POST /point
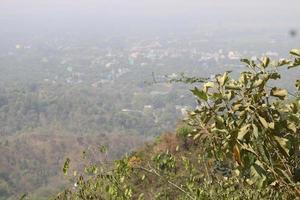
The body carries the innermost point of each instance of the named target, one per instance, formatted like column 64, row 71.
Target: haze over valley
column 77, row 75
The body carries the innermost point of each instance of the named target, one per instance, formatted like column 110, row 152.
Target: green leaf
column 255, row 130
column 286, row 175
column 258, row 83
column 216, row 130
column 243, row 79
column 200, row 94
column 243, row 131
column 283, row 144
column 295, row 52
column 216, row 96
column 292, row 126
column 263, row 122
column 208, row 85
column 275, row 76
column 141, row 196
column 219, row 119
column 296, row 63
column 257, row 174
column 278, row 92
column 246, row 61
column 271, row 125
column 283, row 62
column 249, row 149
column 265, row 62
column 232, row 86
column 237, row 107
column 196, row 136
column 230, row 95
column 222, row 79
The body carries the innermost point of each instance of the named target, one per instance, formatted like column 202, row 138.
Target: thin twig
column 154, row 172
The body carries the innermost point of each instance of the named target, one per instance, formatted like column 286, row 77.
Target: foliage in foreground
column 242, row 142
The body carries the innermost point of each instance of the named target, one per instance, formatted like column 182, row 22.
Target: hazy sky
column 145, row 7
column 157, row 13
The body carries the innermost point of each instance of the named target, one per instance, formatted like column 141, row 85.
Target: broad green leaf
column 295, row 52
column 286, row 175
column 208, row 85
column 222, row 79
column 219, row 119
column 232, row 86
column 292, row 126
column 196, row 136
column 247, row 61
column 200, row 94
column 283, row 62
column 243, row 131
column 216, row 96
column 271, row 125
column 275, row 76
column 219, row 130
column 255, row 130
column 192, row 113
column 283, row 144
column 296, row 63
column 230, row 95
column 242, row 113
column 237, row 107
column 243, row 79
column 263, row 122
column 265, row 62
column 248, row 148
column 258, row 83
column 278, row 92
column 257, row 174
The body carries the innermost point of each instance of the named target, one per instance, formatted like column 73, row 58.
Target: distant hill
column 32, row 162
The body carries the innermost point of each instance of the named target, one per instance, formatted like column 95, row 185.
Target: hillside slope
column 241, row 142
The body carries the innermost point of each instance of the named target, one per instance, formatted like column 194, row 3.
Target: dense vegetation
column 80, row 110
column 242, row 142
column 42, row 124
